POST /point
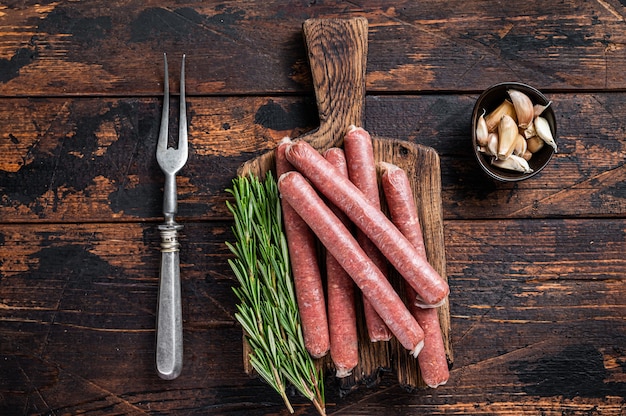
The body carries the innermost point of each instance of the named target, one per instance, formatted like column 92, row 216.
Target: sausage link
column 430, row 287
column 344, row 341
column 344, row 247
column 359, row 152
column 402, row 209
column 399, row 196
column 307, row 277
column 432, row 359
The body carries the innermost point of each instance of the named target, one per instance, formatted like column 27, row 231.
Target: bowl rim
column 541, row 99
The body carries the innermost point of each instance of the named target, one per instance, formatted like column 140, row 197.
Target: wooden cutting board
column 337, row 52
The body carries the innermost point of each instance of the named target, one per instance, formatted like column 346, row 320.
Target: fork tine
column 182, row 124
column 163, row 132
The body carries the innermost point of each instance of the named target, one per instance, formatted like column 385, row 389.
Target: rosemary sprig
column 268, row 310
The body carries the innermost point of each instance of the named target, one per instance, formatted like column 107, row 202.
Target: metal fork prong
column 163, row 132
column 182, row 124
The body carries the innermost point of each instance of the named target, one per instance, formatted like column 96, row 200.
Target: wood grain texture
column 535, row 325
column 536, row 268
column 337, row 52
column 76, row 48
column 94, row 158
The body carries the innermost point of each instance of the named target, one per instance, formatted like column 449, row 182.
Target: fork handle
column 170, row 203
column 169, row 339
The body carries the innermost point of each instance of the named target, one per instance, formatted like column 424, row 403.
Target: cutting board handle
column 337, row 51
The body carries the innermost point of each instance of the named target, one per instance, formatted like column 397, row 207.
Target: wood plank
column 94, row 159
column 72, row 48
column 536, row 268
column 586, row 177
column 537, row 318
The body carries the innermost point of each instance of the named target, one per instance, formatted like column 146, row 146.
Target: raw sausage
column 344, row 341
column 430, row 287
column 359, row 152
column 344, row 247
column 399, row 196
column 432, row 359
column 305, row 269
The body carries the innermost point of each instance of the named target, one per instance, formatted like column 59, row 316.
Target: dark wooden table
column 537, row 268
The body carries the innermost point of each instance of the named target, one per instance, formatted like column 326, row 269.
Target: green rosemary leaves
column 268, row 310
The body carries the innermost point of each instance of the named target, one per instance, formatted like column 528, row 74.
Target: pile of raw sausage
column 323, row 196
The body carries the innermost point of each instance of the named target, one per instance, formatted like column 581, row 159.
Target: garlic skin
column 543, row 131
column 507, row 135
column 482, row 133
column 538, row 109
column 524, row 108
column 493, row 119
column 514, row 163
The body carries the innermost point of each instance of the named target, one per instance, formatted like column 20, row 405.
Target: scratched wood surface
column 536, row 269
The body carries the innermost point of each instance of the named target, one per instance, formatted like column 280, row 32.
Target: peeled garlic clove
column 514, row 163
column 538, row 109
column 507, row 135
column 493, row 119
column 520, row 145
column 482, row 133
column 523, row 108
column 535, row 144
column 543, row 131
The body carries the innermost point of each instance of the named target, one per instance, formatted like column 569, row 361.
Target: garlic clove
column 482, row 133
column 523, row 163
column 492, row 144
column 514, row 163
column 527, row 155
column 535, row 144
column 543, row 131
column 530, row 130
column 523, row 108
column 493, row 119
column 538, row 109
column 491, row 149
column 520, row 145
column 507, row 135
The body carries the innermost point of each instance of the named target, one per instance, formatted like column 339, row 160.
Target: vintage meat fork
column 169, row 338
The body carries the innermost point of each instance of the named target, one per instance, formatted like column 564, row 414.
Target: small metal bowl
column 488, row 101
